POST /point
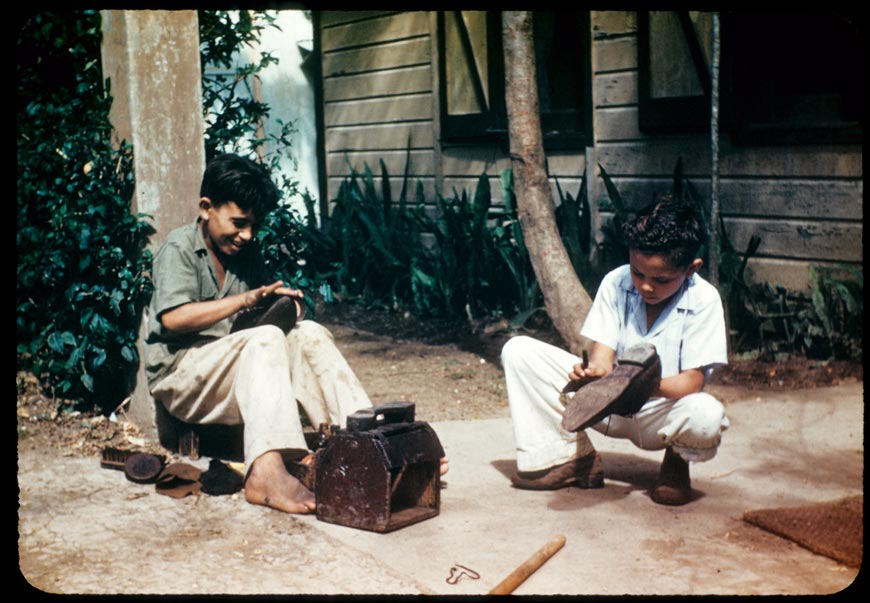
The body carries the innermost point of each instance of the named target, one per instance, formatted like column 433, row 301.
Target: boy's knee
column 265, row 334
column 513, row 349
column 707, row 413
column 308, row 332
column 700, row 423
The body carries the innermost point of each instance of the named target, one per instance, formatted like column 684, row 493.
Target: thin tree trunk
column 566, row 300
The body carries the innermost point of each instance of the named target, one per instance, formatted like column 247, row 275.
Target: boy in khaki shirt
column 204, row 274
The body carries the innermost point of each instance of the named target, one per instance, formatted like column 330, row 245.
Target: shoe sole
column 621, row 392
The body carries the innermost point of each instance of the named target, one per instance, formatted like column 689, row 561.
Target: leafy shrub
column 825, row 324
column 233, row 116
column 82, row 268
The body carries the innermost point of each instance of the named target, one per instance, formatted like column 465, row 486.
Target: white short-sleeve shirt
column 689, row 332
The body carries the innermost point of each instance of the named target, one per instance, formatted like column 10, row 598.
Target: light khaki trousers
column 256, row 377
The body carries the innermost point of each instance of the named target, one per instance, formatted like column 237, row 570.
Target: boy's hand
column 584, row 372
column 255, row 296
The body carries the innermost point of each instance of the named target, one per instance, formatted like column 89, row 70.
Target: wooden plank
column 617, row 124
column 469, row 184
column 566, row 165
column 395, row 26
column 379, row 110
column 823, row 161
column 386, row 56
column 421, row 162
column 615, row 89
column 801, row 199
column 473, row 160
column 798, row 239
column 380, row 137
column 658, row 156
column 618, row 54
column 607, row 23
column 791, row 274
column 831, row 199
column 401, row 81
column 330, row 18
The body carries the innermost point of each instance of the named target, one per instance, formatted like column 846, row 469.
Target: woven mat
column 834, row 529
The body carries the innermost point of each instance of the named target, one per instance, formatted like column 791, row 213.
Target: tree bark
column 566, row 300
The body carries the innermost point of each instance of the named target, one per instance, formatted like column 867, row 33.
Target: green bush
column 461, row 257
column 82, row 271
column 233, row 116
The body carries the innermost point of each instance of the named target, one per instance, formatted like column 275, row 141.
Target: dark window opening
column 785, row 78
column 791, row 78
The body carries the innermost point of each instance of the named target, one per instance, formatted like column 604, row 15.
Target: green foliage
column 613, row 251
column 461, row 257
column 574, row 220
column 508, row 236
column 234, row 122
column 456, row 278
column 232, row 111
column 82, row 270
column 825, row 324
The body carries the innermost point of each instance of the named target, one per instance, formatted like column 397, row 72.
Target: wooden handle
column 519, row 575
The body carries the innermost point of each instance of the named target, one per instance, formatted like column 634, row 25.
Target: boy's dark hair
column 230, row 177
column 667, row 227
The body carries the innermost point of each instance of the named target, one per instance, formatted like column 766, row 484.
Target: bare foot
column 269, row 484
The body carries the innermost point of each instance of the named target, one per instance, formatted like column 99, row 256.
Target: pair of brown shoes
column 672, row 487
column 585, row 472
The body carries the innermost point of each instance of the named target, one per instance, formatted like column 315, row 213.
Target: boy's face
column 226, row 228
column 655, row 278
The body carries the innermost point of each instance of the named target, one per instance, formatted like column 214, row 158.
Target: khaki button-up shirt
column 183, row 272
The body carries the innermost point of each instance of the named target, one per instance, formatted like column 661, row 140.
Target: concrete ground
column 83, row 529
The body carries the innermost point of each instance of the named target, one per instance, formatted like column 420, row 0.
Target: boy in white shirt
column 658, row 299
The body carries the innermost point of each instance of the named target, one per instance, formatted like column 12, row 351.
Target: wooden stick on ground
column 519, row 575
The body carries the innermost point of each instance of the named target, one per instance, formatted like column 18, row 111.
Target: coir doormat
column 834, row 529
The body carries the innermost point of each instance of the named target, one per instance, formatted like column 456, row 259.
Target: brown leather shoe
column 673, row 486
column 585, row 472
column 622, row 391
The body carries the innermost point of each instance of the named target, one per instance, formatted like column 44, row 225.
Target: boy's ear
column 694, row 266
column 204, row 206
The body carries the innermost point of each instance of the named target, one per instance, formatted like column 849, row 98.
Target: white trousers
column 536, row 372
column 256, row 376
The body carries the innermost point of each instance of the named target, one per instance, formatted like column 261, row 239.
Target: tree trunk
column 566, row 300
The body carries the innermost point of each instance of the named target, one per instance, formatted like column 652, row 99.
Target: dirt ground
column 449, row 369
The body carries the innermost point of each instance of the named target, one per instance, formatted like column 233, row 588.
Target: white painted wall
column 290, row 93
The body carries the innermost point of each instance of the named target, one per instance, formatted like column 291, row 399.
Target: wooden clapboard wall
column 804, row 202
column 377, row 95
column 380, row 90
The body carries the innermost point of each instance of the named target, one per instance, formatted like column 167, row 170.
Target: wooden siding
column 377, row 93
column 380, row 92
column 805, row 203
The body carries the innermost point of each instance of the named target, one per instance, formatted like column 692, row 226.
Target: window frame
column 491, row 126
column 747, row 130
column 679, row 114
